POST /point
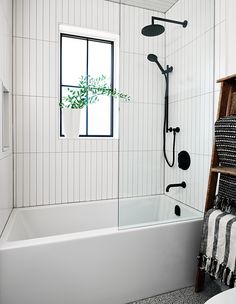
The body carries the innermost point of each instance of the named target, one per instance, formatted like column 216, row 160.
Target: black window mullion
column 61, row 134
column 87, row 69
column 69, row 86
column 112, row 86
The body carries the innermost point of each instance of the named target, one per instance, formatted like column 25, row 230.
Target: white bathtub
column 76, row 254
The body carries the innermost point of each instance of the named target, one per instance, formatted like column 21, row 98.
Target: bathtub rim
column 6, row 244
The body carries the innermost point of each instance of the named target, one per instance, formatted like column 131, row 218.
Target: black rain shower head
column 153, row 30
column 157, row 29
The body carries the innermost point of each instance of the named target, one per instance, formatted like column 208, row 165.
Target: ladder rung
column 225, row 170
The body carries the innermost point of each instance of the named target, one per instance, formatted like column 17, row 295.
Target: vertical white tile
column 93, row 177
column 109, row 175
column 53, row 131
column 52, row 176
column 53, row 81
column 19, row 179
column 53, row 20
column 26, row 124
column 58, row 178
column 18, row 8
column 32, row 67
column 46, row 124
column 76, row 183
column 32, row 19
column 39, row 123
column 46, row 178
column 105, row 175
column 46, row 20
column 39, row 66
column 64, row 178
column 39, row 177
column 71, row 176
column 40, row 21
column 46, row 68
column 82, row 176
column 18, row 69
column 65, row 11
column 99, row 170
column 33, row 179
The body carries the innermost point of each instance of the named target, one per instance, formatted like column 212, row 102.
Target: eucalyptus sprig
column 88, row 92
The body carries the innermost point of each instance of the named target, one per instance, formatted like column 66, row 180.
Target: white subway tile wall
column 6, row 158
column 198, row 56
column 49, row 170
column 191, row 51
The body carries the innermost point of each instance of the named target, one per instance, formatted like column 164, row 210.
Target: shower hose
column 170, row 164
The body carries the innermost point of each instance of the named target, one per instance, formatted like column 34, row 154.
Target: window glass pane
column 99, row 58
column 83, row 114
column 100, row 117
column 99, row 114
column 74, row 60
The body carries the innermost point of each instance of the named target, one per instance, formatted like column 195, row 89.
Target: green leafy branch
column 88, row 92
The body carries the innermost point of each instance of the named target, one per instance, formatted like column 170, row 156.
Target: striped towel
column 225, row 137
column 226, row 197
column 218, row 246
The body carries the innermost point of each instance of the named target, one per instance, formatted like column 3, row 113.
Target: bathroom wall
column 50, row 170
column 200, row 54
column 141, row 162
column 191, row 51
column 225, row 42
column 6, row 168
column 227, row 27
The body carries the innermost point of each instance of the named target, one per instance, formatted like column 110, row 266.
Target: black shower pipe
column 184, row 23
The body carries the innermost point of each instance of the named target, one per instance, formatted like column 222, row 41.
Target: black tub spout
column 183, row 185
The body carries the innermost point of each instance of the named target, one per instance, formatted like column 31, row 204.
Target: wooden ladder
column 226, row 107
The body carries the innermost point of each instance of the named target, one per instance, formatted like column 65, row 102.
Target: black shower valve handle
column 175, row 130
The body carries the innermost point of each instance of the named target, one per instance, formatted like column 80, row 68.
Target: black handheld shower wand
column 169, row 69
column 166, row 129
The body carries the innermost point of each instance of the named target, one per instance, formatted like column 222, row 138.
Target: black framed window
column 94, row 57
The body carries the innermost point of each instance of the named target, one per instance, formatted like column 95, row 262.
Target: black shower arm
column 184, row 23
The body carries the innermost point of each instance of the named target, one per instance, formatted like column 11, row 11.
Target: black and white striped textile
column 225, row 138
column 218, row 246
column 226, row 197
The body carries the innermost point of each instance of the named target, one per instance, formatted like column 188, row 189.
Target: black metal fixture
column 151, row 31
column 177, row 210
column 166, row 129
column 183, row 185
column 184, row 160
column 157, row 29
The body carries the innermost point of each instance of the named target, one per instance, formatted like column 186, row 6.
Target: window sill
column 90, row 138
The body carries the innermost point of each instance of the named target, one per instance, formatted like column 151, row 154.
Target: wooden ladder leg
column 200, row 279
